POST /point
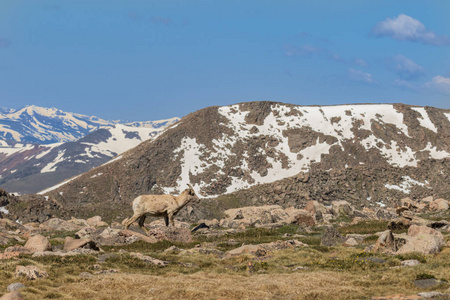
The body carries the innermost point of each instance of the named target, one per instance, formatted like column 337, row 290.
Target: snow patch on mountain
column 406, row 185
column 425, row 119
column 335, row 121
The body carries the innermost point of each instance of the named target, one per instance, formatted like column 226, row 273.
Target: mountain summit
column 226, row 149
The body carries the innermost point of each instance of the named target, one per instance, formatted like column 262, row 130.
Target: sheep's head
column 190, row 193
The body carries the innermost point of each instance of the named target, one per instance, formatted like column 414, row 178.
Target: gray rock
column 431, row 295
column 410, row 263
column 86, row 275
column 331, row 237
column 15, row 286
column 426, row 283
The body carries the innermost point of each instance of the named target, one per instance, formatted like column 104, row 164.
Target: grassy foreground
column 313, row 272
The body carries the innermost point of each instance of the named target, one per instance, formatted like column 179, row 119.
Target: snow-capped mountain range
column 38, row 125
column 40, row 147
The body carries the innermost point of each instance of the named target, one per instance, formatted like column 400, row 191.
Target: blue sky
column 147, row 60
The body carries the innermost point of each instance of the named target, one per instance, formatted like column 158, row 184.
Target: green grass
column 365, row 227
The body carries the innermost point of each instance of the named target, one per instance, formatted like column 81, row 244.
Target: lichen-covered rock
column 30, row 272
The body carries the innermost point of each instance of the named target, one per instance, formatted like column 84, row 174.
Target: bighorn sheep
column 159, row 205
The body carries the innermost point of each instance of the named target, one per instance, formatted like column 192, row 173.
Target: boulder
column 57, row 224
column 439, row 205
column 303, row 217
column 410, row 263
column 427, row 200
column 408, row 203
column 38, row 243
column 96, row 222
column 132, row 236
column 86, row 232
column 254, row 215
column 79, row 222
column 149, row 259
column 422, row 239
column 72, row 244
column 332, row 237
column 246, row 249
column 14, row 295
column 175, row 235
column 316, row 209
column 15, row 286
column 385, row 243
column 30, row 272
column 401, row 223
column 351, row 242
column 342, row 208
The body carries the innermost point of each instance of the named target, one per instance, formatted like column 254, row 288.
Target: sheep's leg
column 166, row 219
column 170, row 215
column 141, row 223
column 131, row 220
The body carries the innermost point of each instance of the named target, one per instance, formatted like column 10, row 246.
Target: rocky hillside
column 32, row 168
column 365, row 153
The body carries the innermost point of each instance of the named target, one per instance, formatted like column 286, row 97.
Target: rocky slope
column 366, row 153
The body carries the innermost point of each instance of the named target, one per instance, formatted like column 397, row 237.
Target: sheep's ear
column 190, row 186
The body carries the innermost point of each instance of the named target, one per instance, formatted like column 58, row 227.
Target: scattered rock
column 57, row 224
column 79, row 222
column 96, row 222
column 15, row 286
column 72, row 244
column 426, row 283
column 331, row 237
column 422, row 239
column 132, row 235
column 149, row 259
column 246, row 249
column 351, row 242
column 175, row 235
column 14, row 295
column 30, row 272
column 398, row 297
column 439, row 205
column 38, row 243
column 86, row 275
column 172, row 249
column 385, row 243
column 9, row 255
column 410, row 263
column 342, row 208
column 431, row 295
column 74, row 252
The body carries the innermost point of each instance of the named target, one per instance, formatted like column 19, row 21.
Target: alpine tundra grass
column 314, row 272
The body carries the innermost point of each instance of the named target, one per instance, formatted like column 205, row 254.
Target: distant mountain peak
column 39, row 125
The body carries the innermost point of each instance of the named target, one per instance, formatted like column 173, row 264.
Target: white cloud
column 440, row 83
column 361, row 76
column 405, row 68
column 406, row 28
